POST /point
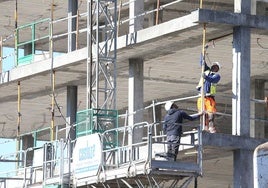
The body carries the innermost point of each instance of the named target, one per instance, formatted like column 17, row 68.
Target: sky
column 9, row 59
column 7, row 151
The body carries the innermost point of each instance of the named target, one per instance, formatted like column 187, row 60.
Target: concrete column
column 135, row 8
column 71, row 111
column 243, row 159
column 241, row 82
column 242, row 6
column 72, row 10
column 257, row 109
column 243, row 168
column 135, row 95
column 28, row 142
column 253, row 7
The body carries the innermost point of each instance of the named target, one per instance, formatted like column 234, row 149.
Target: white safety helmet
column 168, row 105
column 216, row 63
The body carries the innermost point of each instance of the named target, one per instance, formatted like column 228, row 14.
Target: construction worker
column 211, row 78
column 173, row 129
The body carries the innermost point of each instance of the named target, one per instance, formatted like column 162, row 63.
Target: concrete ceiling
column 171, row 69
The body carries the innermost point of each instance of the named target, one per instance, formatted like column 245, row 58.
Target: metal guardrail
column 25, row 59
column 56, row 155
column 47, row 24
column 131, row 153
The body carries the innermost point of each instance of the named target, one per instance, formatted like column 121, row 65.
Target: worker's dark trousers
column 173, row 145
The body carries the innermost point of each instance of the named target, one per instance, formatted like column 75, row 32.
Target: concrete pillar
column 71, row 111
column 135, row 95
column 257, row 109
column 241, row 82
column 243, row 168
column 242, row 6
column 253, row 7
column 243, row 159
column 28, row 142
column 72, row 10
column 135, row 8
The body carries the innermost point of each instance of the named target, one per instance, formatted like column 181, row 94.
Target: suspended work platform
column 110, row 156
column 135, row 160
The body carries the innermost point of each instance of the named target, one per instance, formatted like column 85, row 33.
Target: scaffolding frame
column 101, row 57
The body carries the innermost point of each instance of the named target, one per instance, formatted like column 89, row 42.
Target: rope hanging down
column 202, row 72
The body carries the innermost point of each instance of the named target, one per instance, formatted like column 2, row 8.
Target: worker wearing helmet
column 172, row 127
column 211, row 78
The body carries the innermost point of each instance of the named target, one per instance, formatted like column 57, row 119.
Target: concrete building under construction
column 82, row 101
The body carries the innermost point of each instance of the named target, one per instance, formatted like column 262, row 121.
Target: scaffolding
column 101, row 57
column 108, row 160
column 112, row 160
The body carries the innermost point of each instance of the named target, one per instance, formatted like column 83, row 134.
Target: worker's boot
column 212, row 129
column 175, row 157
column 171, row 156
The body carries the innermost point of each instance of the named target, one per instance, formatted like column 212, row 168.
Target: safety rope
column 15, row 32
column 202, row 120
column 18, row 122
column 19, row 88
column 52, row 75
